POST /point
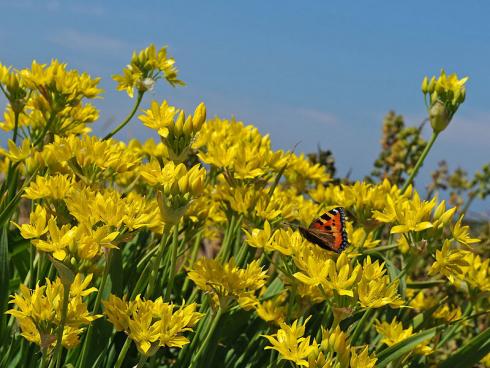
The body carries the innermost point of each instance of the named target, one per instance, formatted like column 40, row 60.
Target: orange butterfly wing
column 328, row 231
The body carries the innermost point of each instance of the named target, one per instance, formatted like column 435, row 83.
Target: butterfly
column 328, row 231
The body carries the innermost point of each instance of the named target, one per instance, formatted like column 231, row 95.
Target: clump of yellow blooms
column 187, row 244
column 151, row 324
column 39, row 312
column 228, row 282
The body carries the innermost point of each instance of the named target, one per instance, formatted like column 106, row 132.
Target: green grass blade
column 470, row 353
column 4, row 281
column 403, row 347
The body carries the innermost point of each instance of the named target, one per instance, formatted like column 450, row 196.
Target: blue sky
column 313, row 72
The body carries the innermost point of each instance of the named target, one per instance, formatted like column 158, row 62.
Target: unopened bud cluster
column 446, row 94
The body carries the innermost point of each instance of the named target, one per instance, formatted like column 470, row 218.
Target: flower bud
column 179, row 124
column 439, row 117
column 432, row 85
column 199, row 117
column 188, row 129
column 425, row 85
column 183, row 183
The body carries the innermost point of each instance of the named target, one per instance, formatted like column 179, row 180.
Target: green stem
column 142, row 361
column 128, row 118
column 173, row 261
column 156, row 264
column 16, row 126
column 44, row 358
column 421, row 160
column 45, row 130
column 88, row 338
column 123, row 352
column 360, row 325
column 202, row 349
column 59, row 338
column 195, row 249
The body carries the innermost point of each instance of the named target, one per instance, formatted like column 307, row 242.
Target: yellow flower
column 301, row 173
column 39, row 312
column 450, row 262
column 241, row 151
column 151, row 324
column 175, row 179
column 228, row 282
column 394, row 333
column 448, row 314
column 283, row 241
column 291, row 344
column 410, row 214
column 273, row 310
column 362, row 360
column 60, row 239
column 478, row 275
column 422, row 302
column 446, row 93
column 317, row 269
column 18, row 154
column 375, row 289
column 462, row 233
column 38, row 224
column 54, row 187
column 54, row 80
column 145, row 68
column 360, row 238
column 336, row 341
column 441, row 216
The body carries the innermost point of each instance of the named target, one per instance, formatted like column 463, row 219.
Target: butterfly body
column 328, row 231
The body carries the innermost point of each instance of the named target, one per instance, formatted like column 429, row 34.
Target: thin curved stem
column 202, row 349
column 156, row 263
column 420, row 162
column 59, row 335
column 173, row 261
column 128, row 118
column 16, row 126
column 122, row 353
column 360, row 326
column 88, row 338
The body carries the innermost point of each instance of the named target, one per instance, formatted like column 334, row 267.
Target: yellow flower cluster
column 228, row 282
column 209, row 213
column 145, row 69
column 177, row 134
column 333, row 350
column 151, row 324
column 392, row 333
column 39, row 312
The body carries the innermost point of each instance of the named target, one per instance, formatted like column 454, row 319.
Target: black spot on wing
column 325, row 216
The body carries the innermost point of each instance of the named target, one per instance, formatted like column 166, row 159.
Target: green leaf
column 425, row 284
column 403, row 347
column 116, row 274
column 470, row 353
column 4, row 280
column 275, row 288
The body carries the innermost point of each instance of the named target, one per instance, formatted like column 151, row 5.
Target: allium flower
column 151, row 324
column 291, row 344
column 363, row 359
column 446, row 94
column 147, row 65
column 228, row 282
column 39, row 312
column 333, row 277
column 393, row 333
column 450, row 262
column 375, row 289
